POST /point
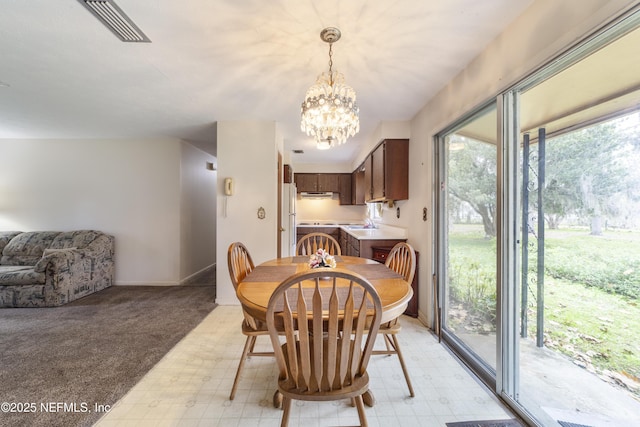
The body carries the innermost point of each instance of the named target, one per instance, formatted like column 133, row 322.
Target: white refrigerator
column 289, row 237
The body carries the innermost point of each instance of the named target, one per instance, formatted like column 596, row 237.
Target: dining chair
column 324, row 357
column 240, row 264
column 402, row 260
column 310, row 243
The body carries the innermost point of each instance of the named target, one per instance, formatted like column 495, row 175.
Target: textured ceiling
column 64, row 75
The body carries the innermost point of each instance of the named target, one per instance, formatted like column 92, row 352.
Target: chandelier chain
column 330, row 64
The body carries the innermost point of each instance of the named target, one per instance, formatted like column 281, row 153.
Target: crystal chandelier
column 329, row 110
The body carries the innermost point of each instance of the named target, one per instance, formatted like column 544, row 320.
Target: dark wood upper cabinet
column 378, row 173
column 389, row 171
column 345, row 189
column 368, row 168
column 329, row 182
column 306, row 182
column 287, row 175
column 383, row 176
column 326, row 182
column 357, row 187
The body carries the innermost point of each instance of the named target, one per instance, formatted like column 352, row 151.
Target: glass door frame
column 486, row 373
column 508, row 250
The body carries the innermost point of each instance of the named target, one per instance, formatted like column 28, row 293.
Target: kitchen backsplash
column 328, row 209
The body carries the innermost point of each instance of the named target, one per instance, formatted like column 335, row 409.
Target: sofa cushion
column 50, row 251
column 27, row 248
column 78, row 239
column 20, row 275
column 22, row 296
column 5, row 237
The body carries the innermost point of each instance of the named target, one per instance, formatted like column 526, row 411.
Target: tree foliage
column 472, row 178
column 587, row 174
column 590, row 174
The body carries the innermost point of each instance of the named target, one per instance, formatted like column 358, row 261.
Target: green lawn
column 592, row 292
column 593, row 326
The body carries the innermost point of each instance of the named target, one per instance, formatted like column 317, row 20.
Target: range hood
column 316, row 195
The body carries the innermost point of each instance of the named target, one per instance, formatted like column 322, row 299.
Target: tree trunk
column 553, row 221
column 487, row 220
column 596, row 226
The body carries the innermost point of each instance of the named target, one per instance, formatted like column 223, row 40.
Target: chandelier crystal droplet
column 329, row 111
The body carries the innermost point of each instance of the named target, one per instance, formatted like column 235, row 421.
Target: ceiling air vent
column 115, row 20
column 298, row 151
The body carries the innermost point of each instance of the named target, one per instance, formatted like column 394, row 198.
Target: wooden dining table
column 256, row 288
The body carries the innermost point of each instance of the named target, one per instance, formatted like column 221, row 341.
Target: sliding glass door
column 538, row 237
column 468, row 238
column 580, row 254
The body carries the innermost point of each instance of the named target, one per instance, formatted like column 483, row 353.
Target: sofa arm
column 58, row 261
column 101, row 249
column 100, row 258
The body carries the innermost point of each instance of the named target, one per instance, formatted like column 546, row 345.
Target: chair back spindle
column 311, row 242
column 239, row 262
column 330, row 320
column 402, row 260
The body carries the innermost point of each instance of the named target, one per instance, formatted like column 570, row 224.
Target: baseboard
column 146, row 284
column 224, row 301
column 187, row 280
column 424, row 320
column 195, row 277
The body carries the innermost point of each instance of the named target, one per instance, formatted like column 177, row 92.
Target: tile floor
column 190, row 386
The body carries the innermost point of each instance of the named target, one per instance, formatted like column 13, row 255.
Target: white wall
column 127, row 188
column 247, row 152
column 547, row 28
column 197, row 212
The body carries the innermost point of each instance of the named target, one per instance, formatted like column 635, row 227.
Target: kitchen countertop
column 382, row 232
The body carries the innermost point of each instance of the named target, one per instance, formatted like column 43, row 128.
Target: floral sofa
column 52, row 268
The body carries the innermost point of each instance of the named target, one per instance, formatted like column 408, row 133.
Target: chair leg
column 253, row 344
column 286, row 406
column 361, row 414
column 277, row 399
column 245, row 351
column 396, row 345
column 368, row 398
column 386, row 343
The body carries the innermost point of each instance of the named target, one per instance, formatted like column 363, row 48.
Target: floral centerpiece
column 322, row 259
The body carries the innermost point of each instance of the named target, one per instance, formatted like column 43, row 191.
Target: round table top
column 256, row 289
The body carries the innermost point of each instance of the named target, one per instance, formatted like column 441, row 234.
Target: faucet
column 368, row 223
